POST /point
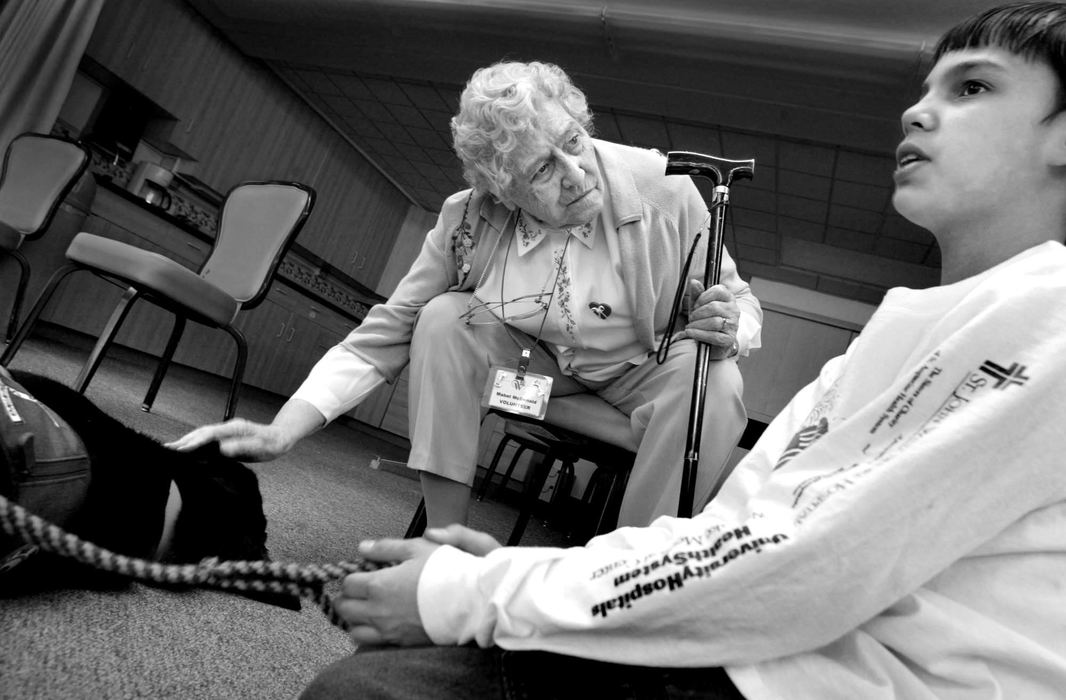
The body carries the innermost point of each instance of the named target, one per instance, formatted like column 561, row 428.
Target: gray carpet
column 144, row 642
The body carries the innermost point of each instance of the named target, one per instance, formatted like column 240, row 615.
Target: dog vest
column 44, row 465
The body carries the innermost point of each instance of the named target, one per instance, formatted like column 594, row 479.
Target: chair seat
column 166, row 278
column 529, row 431
column 592, row 417
column 582, row 426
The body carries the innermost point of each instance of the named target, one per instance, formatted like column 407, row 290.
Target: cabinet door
column 206, row 348
column 372, row 409
column 298, row 350
column 365, row 227
column 395, row 418
column 263, row 327
column 793, row 352
column 319, row 233
column 282, row 341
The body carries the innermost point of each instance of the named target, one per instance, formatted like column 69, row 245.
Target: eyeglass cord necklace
column 526, row 352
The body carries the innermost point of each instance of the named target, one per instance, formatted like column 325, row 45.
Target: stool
column 541, row 441
column 525, row 439
column 580, row 426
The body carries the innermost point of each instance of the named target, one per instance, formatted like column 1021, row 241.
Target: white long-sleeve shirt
column 898, row 532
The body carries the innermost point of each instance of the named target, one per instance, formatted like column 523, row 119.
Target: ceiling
column 812, row 89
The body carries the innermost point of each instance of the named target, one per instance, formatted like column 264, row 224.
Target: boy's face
column 979, row 136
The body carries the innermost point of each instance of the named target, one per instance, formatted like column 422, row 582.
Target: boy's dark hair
column 1035, row 31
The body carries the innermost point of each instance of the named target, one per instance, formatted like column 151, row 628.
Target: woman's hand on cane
column 714, row 318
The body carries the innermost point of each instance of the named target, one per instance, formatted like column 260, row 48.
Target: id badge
column 523, row 397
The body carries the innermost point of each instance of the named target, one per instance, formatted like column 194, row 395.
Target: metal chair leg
column 31, row 318
column 164, row 362
column 487, row 479
column 510, row 468
column 534, row 484
column 418, row 521
column 608, row 515
column 105, row 339
column 238, row 371
column 563, row 484
column 20, row 292
column 586, row 526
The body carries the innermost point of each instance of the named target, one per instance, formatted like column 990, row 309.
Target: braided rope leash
column 300, row 580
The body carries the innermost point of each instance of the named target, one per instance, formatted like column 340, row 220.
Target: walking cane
column 721, row 172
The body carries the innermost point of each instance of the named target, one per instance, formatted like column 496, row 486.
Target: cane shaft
column 711, row 276
column 721, row 172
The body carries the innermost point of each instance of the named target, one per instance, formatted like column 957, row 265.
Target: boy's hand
column 238, row 438
column 470, row 541
column 713, row 319
column 381, row 607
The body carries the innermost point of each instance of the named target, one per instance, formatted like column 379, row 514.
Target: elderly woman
column 567, row 247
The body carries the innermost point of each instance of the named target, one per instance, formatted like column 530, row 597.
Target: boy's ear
column 1056, row 153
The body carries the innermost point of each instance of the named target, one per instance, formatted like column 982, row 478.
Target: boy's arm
column 843, row 528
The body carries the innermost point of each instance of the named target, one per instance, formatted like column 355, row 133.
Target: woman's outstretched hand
column 256, row 442
column 238, row 438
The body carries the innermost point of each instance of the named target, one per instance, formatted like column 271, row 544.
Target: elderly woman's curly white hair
column 497, row 107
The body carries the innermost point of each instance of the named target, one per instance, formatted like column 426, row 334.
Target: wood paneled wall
column 241, row 122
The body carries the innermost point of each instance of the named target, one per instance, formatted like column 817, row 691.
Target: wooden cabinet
column 287, row 334
column 386, row 407
column 793, row 351
column 395, row 419
column 372, row 409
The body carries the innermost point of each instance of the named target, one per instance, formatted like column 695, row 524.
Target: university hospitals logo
column 1005, row 376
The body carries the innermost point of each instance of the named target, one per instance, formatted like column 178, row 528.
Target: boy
column 897, row 531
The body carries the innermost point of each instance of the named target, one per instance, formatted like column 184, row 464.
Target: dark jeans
column 461, row 673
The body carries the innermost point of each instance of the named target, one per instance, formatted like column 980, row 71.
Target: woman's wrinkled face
column 557, row 178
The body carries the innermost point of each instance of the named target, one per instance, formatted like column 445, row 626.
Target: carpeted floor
column 144, row 642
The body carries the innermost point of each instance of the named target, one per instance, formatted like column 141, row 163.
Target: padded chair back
column 258, row 224
column 39, row 171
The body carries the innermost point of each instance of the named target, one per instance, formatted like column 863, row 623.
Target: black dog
column 131, row 475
